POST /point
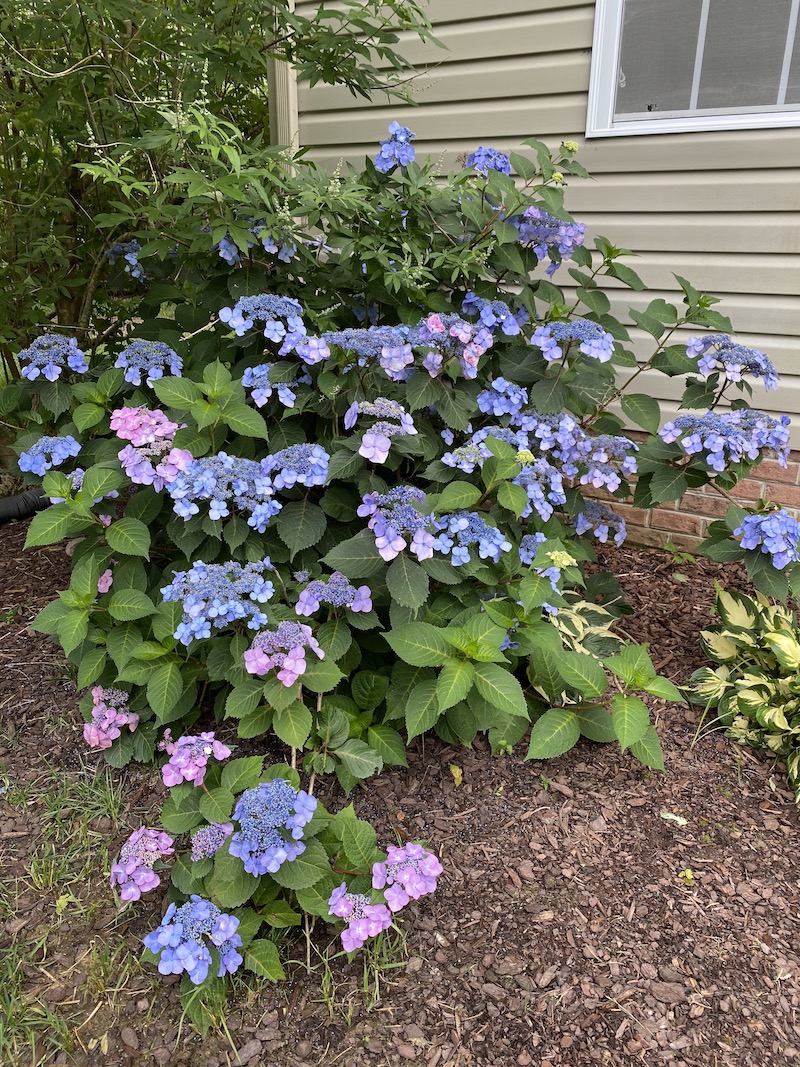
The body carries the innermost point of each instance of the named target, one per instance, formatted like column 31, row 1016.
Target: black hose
column 22, row 506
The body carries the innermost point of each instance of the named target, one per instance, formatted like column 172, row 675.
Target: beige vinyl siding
column 721, row 208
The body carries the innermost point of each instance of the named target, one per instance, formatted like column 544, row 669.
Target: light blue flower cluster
column 47, row 356
column 392, row 517
column 149, row 358
column 271, row 820
column 543, row 484
column 284, row 250
column 180, row 940
column 337, row 592
column 601, row 520
column 48, row 452
column 549, row 236
column 474, row 452
column 376, row 442
column 282, row 318
column 485, row 159
column 297, row 465
column 391, row 346
column 494, row 313
column 730, row 437
column 600, row 454
column 257, row 380
column 129, row 251
column 529, row 546
column 561, row 435
column 464, row 528
column 718, row 351
column 553, row 337
column 223, row 480
column 777, row 534
column 312, row 350
column 502, row 398
column 396, row 149
column 215, row 595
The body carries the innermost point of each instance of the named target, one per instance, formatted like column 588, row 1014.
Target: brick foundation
column 684, row 523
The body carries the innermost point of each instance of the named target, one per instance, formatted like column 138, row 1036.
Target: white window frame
column 600, row 121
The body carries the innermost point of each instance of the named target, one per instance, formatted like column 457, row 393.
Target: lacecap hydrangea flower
column 216, row 595
column 285, row 648
column 465, row 528
column 222, row 481
column 776, row 534
column 409, row 873
column 208, row 840
column 189, row 756
column 297, row 465
column 256, row 379
column 182, row 940
column 601, row 520
column 128, row 251
column 148, row 358
column 392, row 517
column 553, row 337
column 49, row 354
column 109, row 716
column 376, row 442
column 337, row 592
column 547, row 235
column 729, row 437
column 271, row 819
column 141, row 426
column 133, row 872
column 486, row 159
column 452, row 337
column 282, row 318
column 365, row 919
column 396, row 150
column 494, row 313
column 48, row 452
column 718, row 351
column 390, row 346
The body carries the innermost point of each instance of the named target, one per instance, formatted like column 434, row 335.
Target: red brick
column 787, row 496
column 677, row 523
column 771, row 471
column 711, row 506
column 748, row 489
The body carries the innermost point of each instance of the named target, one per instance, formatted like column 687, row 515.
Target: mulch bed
column 563, row 933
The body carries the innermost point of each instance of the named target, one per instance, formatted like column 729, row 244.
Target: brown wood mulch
column 566, row 930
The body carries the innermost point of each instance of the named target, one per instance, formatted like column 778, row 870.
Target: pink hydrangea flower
column 189, row 756
column 109, row 715
column 133, row 872
column 408, row 874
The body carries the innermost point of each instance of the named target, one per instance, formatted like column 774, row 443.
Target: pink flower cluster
column 284, row 648
column 150, row 458
column 109, row 714
column 409, row 873
column 364, row 919
column 188, row 757
column 133, row 872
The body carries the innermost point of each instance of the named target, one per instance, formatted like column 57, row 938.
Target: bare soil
column 566, row 930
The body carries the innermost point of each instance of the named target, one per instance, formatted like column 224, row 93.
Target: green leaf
column 126, row 605
column 244, row 698
column 643, row 410
column 280, row 915
column 555, row 732
column 293, row 724
column 513, row 497
column 357, row 557
column 667, row 483
column 54, row 524
column 261, row 958
column 663, row 687
column 216, row 805
column 420, row 644
column 360, row 844
column 500, row 688
column 87, row 415
column 535, row 591
column 321, row 676
column 544, row 670
column 244, row 421
column 164, row 689
column 407, row 582
column 630, row 718
column 216, row 377
column 457, row 496
column 595, row 723
column 583, row 673
column 388, row 744
column 358, row 758
column 72, row 629
column 181, row 811
column 229, row 884
column 633, row 665
column 422, row 709
column 306, row 870
column 99, row 481
column 178, row 393
column 129, row 536
column 300, row 525
column 91, row 667
column 335, row 638
column 255, row 723
column 369, row 689
column 454, row 682
column 49, row 618
column 648, row 750
column 314, row 899
column 242, row 773
column 122, row 641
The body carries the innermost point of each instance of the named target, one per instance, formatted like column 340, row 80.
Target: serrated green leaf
column 407, row 582
column 255, row 723
column 643, row 410
column 359, row 759
column 422, row 709
column 457, row 496
column 72, row 629
column 91, row 667
column 555, row 732
column 314, row 899
column 164, row 689
column 360, row 845
column 388, row 744
column 99, row 482
column 648, row 750
column 420, row 644
column 630, row 718
column 229, row 885
column 335, row 638
column 293, row 724
column 513, row 497
column 368, row 689
column 261, row 958
column 357, row 557
column 583, row 673
column 243, row 773
column 454, row 682
column 244, row 698
column 500, row 688
column 87, row 415
column 127, row 605
column 280, row 915
column 244, row 421
column 181, row 811
column 321, row 676
column 595, row 723
column 178, row 393
column 129, row 536
column 54, row 524
column 306, row 870
column 664, row 688
column 216, row 805
column 300, row 525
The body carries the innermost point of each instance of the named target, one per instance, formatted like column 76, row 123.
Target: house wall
column 721, row 208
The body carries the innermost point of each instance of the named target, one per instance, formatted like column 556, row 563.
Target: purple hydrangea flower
column 337, row 592
column 776, row 534
column 284, row 647
column 282, row 318
column 718, row 351
column 392, row 517
column 48, row 452
column 601, row 520
column 396, row 149
column 189, row 756
column 729, row 437
column 548, row 235
column 553, row 337
column 215, row 595
column 150, row 358
column 133, row 872
column 409, row 873
column 364, row 918
column 208, row 840
column 486, row 159
column 223, row 480
column 128, row 251
column 297, row 465
column 109, row 715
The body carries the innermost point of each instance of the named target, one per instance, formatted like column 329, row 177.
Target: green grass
column 30, row 1032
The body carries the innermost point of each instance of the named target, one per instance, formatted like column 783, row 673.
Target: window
column 667, row 66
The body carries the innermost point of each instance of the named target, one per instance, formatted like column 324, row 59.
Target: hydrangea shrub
column 346, row 496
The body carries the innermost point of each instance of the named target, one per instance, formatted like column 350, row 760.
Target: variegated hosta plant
column 756, row 689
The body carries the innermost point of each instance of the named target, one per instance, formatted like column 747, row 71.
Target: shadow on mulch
column 563, row 933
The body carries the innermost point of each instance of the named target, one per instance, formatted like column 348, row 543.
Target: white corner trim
column 284, row 114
